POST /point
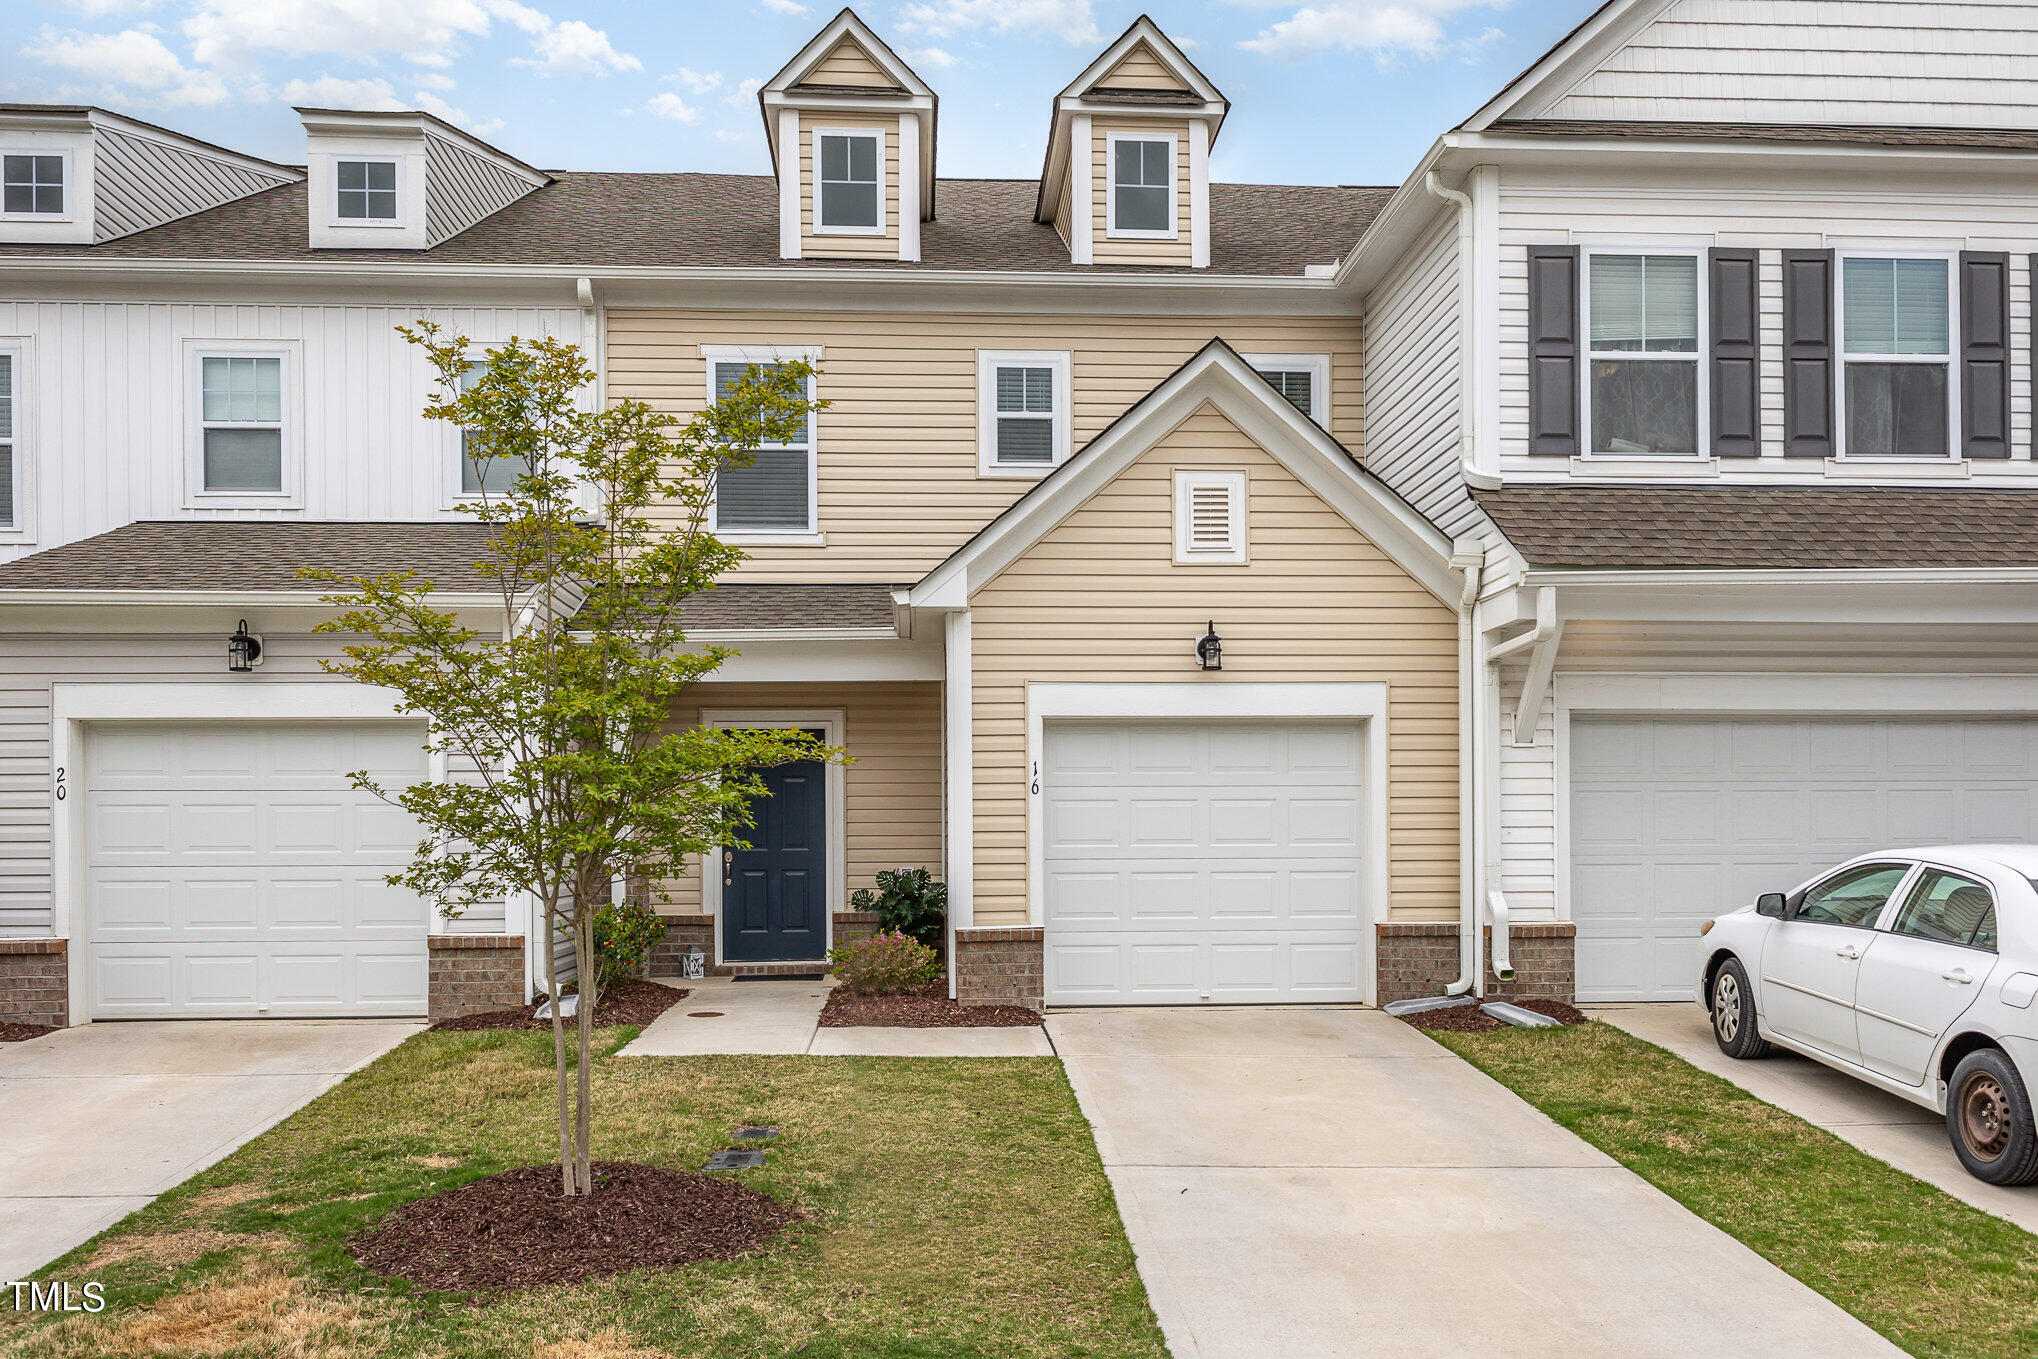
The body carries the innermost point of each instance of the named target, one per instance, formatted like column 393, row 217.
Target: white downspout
column 1469, row 376
column 1496, row 901
column 1469, row 556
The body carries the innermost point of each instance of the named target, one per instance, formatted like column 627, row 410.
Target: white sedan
column 1914, row 970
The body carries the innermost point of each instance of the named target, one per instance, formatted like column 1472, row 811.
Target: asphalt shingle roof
column 206, row 555
column 1753, row 527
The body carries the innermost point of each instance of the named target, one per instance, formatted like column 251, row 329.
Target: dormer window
column 852, row 190
column 1142, row 186
column 32, row 185
column 366, row 190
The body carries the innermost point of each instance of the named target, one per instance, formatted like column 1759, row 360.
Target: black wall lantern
column 1210, row 649
column 243, row 651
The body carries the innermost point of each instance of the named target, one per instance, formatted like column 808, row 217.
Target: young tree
column 564, row 772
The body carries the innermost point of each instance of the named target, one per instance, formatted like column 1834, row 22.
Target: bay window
column 1643, row 370
column 1897, row 374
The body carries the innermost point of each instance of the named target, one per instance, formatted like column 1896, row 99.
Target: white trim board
column 1364, row 702
column 831, row 723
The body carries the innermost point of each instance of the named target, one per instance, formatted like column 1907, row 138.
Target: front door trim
column 831, row 724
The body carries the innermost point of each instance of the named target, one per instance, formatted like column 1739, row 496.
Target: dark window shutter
column 1736, row 355
column 1808, row 353
column 1984, row 354
column 1553, row 349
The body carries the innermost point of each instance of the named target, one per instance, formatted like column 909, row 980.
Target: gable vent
column 1210, row 517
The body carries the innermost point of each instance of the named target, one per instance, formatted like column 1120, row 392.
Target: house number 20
column 61, row 791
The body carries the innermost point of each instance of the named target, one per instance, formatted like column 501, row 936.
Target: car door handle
column 1848, row 952
column 1958, row 974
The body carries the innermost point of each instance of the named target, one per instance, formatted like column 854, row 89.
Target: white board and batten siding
column 1923, row 63
column 107, row 415
column 140, row 181
column 1811, row 210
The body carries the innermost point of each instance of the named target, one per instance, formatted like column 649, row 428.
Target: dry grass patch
column 174, row 1250
column 226, row 1196
column 260, row 1314
column 609, row 1344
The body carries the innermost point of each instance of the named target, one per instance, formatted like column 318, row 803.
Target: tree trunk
column 566, row 1177
column 590, row 993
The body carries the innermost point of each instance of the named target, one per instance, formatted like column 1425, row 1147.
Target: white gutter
column 1469, row 556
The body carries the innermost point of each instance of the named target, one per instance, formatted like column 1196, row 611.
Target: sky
column 1322, row 91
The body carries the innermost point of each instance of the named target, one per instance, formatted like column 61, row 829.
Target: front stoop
column 683, row 932
column 1000, row 967
column 35, row 982
column 474, row 974
column 1420, row 958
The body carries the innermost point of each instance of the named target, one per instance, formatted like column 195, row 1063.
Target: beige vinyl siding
column 899, row 489
column 1064, row 209
column 1099, row 599
column 1141, row 69
column 1104, row 249
column 847, row 63
column 891, row 794
column 827, row 246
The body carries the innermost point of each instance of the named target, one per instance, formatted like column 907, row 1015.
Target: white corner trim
column 1199, row 194
column 788, row 184
column 909, row 188
column 1363, row 701
column 1082, row 190
column 958, row 732
column 72, row 706
column 831, row 724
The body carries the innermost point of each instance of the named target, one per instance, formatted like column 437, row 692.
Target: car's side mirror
column 1770, row 904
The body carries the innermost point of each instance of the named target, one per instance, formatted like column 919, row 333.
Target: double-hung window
column 241, row 424
column 1643, row 375
column 366, row 190
column 1142, row 201
column 10, row 423
column 481, row 472
column 1023, row 411
column 31, row 185
column 775, row 494
column 850, row 182
column 1898, row 379
column 1302, row 378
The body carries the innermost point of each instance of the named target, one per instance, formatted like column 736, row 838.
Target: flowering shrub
column 885, row 965
column 623, row 939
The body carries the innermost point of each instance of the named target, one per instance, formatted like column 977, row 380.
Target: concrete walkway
column 1329, row 1182
column 1909, row 1137
column 102, row 1118
column 773, row 1016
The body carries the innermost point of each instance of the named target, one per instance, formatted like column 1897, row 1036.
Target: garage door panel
column 1674, row 820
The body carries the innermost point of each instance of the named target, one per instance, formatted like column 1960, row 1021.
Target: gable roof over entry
column 1217, row 376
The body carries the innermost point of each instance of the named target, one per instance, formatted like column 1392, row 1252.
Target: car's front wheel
column 1988, row 1116
column 1733, row 1012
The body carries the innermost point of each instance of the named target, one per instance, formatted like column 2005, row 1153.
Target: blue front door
column 775, row 894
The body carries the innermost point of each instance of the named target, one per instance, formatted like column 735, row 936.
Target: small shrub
column 888, row 964
column 908, row 901
column 623, row 939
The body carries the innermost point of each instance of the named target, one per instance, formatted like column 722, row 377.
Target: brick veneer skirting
column 35, row 982
column 999, row 966
column 683, row 932
column 1421, row 959
column 475, row 973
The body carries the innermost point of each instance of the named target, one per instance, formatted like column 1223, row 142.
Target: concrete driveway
column 1909, row 1137
column 1329, row 1182
column 100, row 1119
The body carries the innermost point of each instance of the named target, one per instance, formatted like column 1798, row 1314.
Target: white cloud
column 1070, row 20
column 744, row 92
column 1384, row 29
column 99, row 9
column 670, row 105
column 933, row 58
column 332, row 92
column 723, row 134
column 439, row 108
column 228, row 32
column 573, row 48
column 431, row 80
column 698, row 82
column 785, row 6
column 133, row 62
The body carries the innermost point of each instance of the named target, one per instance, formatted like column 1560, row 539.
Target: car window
column 1947, row 907
column 1855, row 896
column 1985, row 932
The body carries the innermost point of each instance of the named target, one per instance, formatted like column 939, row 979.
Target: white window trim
column 455, row 458
column 832, row 724
column 876, row 134
column 70, row 212
column 195, row 353
column 21, row 530
column 1112, row 230
column 1841, row 358
column 1701, row 389
column 1187, row 481
column 811, row 535
column 397, row 222
column 1316, row 365
column 989, row 361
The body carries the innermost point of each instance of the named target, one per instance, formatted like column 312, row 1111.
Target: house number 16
column 1036, row 776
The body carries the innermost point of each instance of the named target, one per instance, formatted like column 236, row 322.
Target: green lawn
column 958, row 1208
column 1936, row 1276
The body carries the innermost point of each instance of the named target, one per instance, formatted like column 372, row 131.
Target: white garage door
column 231, row 871
column 1191, row 862
column 1674, row 820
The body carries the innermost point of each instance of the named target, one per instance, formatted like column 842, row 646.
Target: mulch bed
column 627, row 1002
column 1468, row 1019
column 515, row 1230
column 927, row 1008
column 21, row 1033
